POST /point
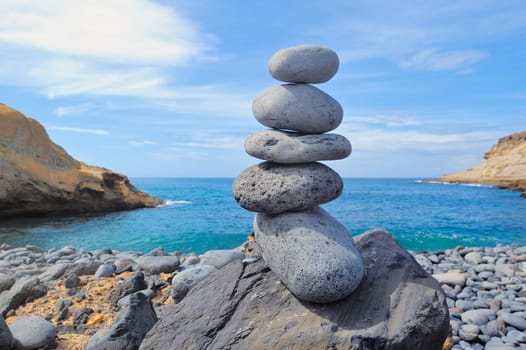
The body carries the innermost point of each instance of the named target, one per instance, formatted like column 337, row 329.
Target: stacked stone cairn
column 313, row 255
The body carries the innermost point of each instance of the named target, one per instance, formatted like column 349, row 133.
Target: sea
column 200, row 214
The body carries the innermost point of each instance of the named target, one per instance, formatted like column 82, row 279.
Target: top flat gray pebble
column 311, row 64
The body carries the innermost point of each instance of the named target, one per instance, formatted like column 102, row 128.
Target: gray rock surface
column 33, row 332
column 6, row 282
column 105, row 270
column 129, row 327
column 397, row 306
column 275, row 188
column 188, row 278
column 290, row 148
column 311, row 252
column 7, row 342
column 158, row 264
column 22, row 290
column 133, row 284
column 297, row 107
column 304, row 64
column 220, row 258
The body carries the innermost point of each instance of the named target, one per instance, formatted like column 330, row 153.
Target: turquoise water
column 201, row 214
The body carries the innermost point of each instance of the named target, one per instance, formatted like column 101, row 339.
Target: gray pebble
column 33, row 332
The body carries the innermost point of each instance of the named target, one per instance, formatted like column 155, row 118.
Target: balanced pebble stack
column 311, row 252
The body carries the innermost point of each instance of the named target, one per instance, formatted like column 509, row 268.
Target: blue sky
column 164, row 88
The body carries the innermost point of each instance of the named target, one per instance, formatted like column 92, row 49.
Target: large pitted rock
column 311, row 64
column 40, row 177
column 290, row 148
column 275, row 188
column 311, row 252
column 298, row 107
column 397, row 306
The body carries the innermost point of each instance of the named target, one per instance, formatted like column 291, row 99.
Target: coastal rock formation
column 504, row 165
column 39, row 177
column 244, row 306
column 286, row 190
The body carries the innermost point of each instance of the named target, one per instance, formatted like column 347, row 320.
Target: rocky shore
column 504, row 166
column 72, row 298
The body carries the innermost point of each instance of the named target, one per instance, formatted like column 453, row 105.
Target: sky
column 165, row 88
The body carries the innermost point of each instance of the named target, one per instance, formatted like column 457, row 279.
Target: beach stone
column 84, row 267
column 477, row 316
column 33, row 332
column 158, row 264
column 187, row 279
column 53, row 272
column 244, row 306
column 219, row 258
column 452, row 278
column 290, row 148
column 125, row 264
column 7, row 342
column 304, row 64
column 514, row 321
column 498, row 345
column 473, row 258
column 23, row 290
column 133, row 284
column 274, row 188
column 311, row 252
column 125, row 301
column 6, row 282
column 105, row 270
column 297, row 107
column 469, row 332
column 190, row 259
column 128, row 329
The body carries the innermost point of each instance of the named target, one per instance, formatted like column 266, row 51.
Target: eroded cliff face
column 504, row 165
column 39, row 177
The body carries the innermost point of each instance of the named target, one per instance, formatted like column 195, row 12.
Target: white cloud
column 63, row 111
column 118, row 30
column 142, row 143
column 435, row 60
column 99, row 132
column 119, row 48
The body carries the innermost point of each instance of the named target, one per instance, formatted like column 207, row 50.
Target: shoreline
column 485, row 288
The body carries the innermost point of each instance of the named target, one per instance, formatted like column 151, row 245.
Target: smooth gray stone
column 478, row 316
column 33, row 332
column 304, row 64
column 469, row 332
column 133, row 284
column 220, row 258
column 297, row 107
column 290, row 148
column 187, row 279
column 514, row 321
column 7, row 341
column 244, row 306
column 105, row 270
column 311, row 252
column 158, row 264
column 23, row 289
column 6, row 282
column 275, row 188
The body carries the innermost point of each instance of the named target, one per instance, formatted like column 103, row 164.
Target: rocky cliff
column 504, row 165
column 38, row 177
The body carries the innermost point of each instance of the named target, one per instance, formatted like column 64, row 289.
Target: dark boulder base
column 245, row 306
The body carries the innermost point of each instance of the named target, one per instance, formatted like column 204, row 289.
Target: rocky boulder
column 397, row 306
column 39, row 177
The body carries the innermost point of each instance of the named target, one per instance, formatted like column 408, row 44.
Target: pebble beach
column 78, row 291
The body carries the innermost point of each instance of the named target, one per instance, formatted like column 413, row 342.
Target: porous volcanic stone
column 244, row 306
column 290, row 148
column 298, row 107
column 311, row 252
column 304, row 64
column 275, row 188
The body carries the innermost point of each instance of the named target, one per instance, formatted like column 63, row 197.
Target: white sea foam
column 453, row 183
column 173, row 203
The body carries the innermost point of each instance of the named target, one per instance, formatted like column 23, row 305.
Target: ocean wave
column 449, row 183
column 174, row 203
